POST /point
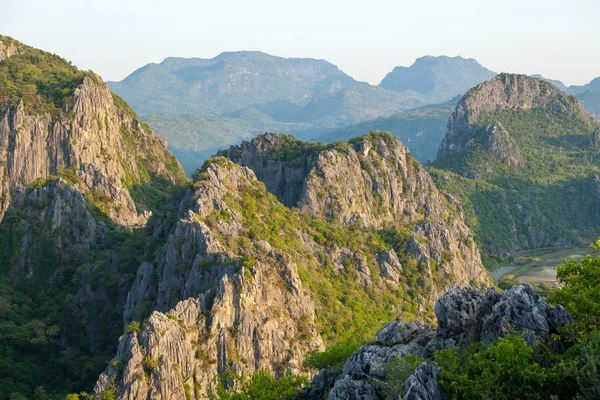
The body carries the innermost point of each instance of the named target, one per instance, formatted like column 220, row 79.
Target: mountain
column 107, row 250
column 78, row 172
column 594, row 86
column 437, row 79
column 229, row 82
column 521, row 156
column 281, row 248
column 193, row 138
column 590, row 100
column 202, row 105
column 421, row 129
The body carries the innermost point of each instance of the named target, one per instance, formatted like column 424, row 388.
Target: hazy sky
column 366, row 39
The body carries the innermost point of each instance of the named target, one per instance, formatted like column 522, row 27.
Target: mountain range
column 284, row 268
column 202, row 105
column 112, row 260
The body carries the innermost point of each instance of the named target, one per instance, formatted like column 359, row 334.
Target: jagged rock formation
column 94, row 133
column 464, row 316
column 505, row 91
column 76, row 170
column 372, row 183
column 238, row 291
column 104, row 143
column 242, row 314
column 515, row 141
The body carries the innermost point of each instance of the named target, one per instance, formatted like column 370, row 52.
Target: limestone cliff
column 237, row 310
column 372, row 183
column 244, row 283
column 92, row 131
column 522, row 141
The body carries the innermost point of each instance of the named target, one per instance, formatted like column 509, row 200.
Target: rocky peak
column 370, row 182
column 505, row 91
column 90, row 132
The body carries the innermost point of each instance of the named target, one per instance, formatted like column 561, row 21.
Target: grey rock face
column 7, row 50
column 423, row 384
column 374, row 184
column 505, row 91
column 280, row 177
column 104, row 143
column 464, row 316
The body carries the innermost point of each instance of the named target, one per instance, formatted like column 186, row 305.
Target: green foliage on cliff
column 547, row 200
column 60, row 303
column 45, row 82
column 263, row 386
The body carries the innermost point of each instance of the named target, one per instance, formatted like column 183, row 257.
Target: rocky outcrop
column 232, row 314
column 503, row 146
column 57, row 212
column 505, row 91
column 108, row 148
column 282, row 177
column 464, row 316
column 7, row 49
column 372, row 183
column 254, row 311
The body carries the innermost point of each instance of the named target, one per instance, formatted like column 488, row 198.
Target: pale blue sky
column 366, row 39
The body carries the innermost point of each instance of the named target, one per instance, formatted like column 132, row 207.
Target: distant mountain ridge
column 228, row 82
column 438, row 79
column 201, row 105
column 421, row 129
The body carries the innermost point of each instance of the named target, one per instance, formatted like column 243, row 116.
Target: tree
column 580, row 293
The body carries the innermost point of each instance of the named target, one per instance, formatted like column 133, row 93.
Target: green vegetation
column 547, row 200
column 580, row 293
column 263, row 386
column 334, row 357
column 45, row 82
column 59, row 314
column 421, row 129
column 507, row 369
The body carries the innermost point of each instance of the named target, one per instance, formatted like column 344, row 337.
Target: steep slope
column 53, row 120
column 421, row 129
column 438, row 79
column 245, row 283
column 78, row 170
column 525, row 153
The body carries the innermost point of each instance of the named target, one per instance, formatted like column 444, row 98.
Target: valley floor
column 539, row 265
